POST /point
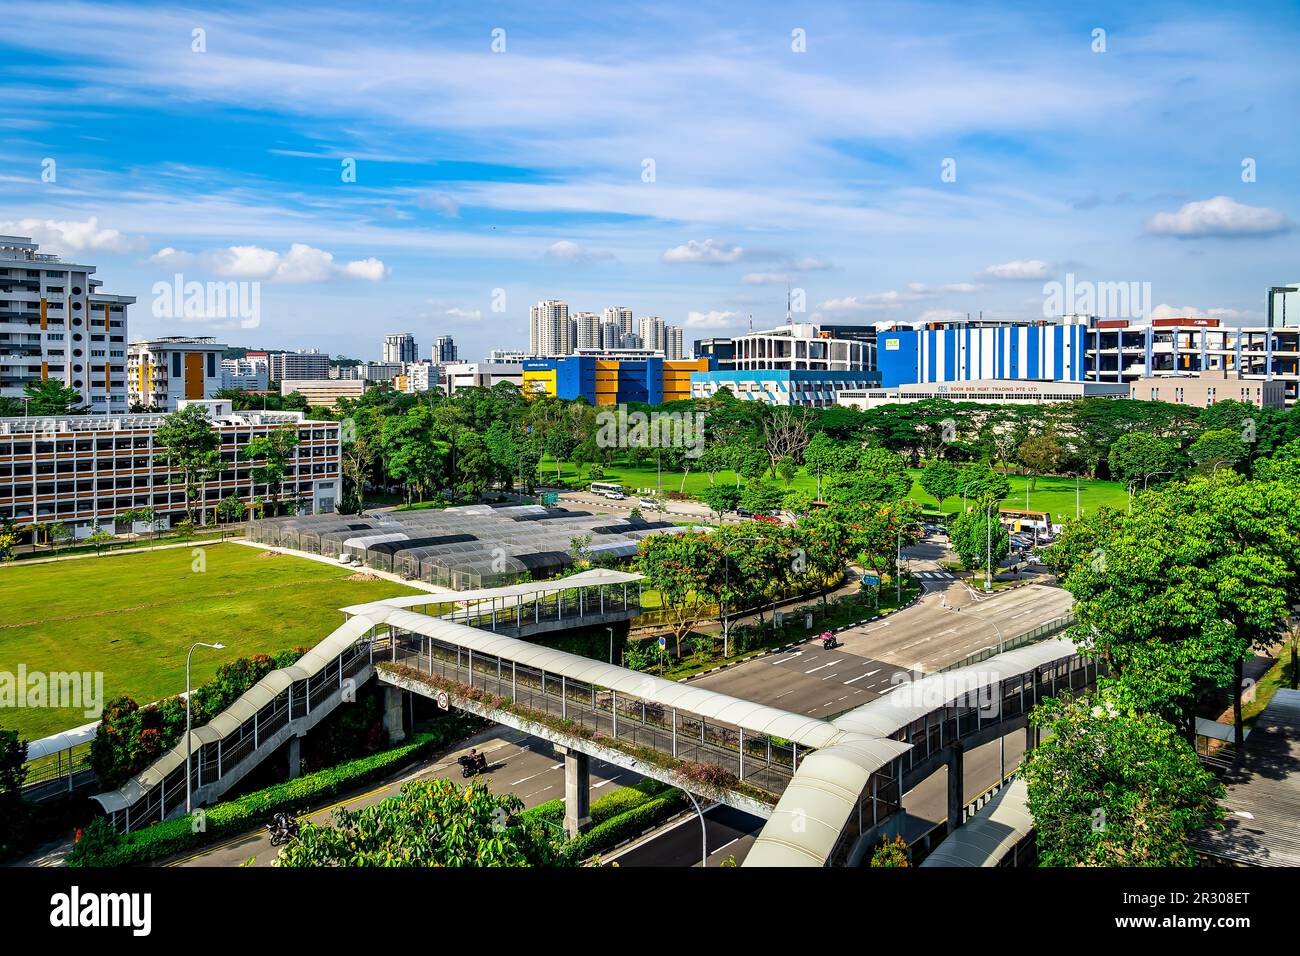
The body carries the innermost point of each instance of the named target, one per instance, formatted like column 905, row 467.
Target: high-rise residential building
column 622, row 316
column 588, row 330
column 444, row 350
column 162, row 372
column 419, row 377
column 673, row 342
column 56, row 324
column 611, row 334
column 296, row 366
column 400, row 347
column 651, row 330
column 550, row 330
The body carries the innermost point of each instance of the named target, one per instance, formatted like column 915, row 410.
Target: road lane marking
column 823, row 666
column 860, row 676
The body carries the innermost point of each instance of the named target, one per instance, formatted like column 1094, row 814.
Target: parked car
column 744, row 513
column 767, row 518
column 648, row 503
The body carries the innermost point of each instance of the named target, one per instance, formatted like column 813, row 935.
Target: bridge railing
column 757, row 759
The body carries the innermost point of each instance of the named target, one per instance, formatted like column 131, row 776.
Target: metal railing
column 1041, row 632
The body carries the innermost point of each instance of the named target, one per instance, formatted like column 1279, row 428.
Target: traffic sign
column 663, row 643
column 871, row 580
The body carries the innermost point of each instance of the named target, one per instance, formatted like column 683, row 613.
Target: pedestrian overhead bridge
column 826, row 787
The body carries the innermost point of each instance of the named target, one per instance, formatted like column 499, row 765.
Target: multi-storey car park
column 474, row 546
column 55, row 324
column 85, row 471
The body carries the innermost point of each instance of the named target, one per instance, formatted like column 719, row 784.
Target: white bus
column 609, row 489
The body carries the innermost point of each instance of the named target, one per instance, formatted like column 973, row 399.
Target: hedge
column 625, row 825
column 103, row 847
column 610, row 805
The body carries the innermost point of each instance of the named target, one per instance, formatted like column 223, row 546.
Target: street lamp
column 988, row 543
column 1146, row 479
column 611, row 644
column 704, row 833
column 216, row 647
column 898, row 558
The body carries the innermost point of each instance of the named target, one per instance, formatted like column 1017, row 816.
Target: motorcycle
column 471, row 764
column 282, row 831
column 828, row 641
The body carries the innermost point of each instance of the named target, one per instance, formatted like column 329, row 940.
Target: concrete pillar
column 1031, row 737
column 394, row 708
column 956, row 784
column 295, row 757
column 577, row 791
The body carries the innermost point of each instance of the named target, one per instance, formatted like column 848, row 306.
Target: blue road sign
column 870, row 581
column 663, row 643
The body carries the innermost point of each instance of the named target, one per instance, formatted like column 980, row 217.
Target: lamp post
column 704, row 833
column 988, row 543
column 611, row 644
column 216, row 647
column 898, row 558
column 726, row 587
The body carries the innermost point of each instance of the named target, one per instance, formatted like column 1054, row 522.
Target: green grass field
column 134, row 616
column 1048, row 494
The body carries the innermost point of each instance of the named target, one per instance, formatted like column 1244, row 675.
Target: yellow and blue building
column 612, row 381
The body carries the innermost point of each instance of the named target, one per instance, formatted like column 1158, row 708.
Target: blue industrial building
column 957, row 353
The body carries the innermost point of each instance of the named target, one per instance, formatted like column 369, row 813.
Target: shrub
column 100, row 845
column 615, row 830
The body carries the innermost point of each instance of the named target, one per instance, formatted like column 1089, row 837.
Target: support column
column 1031, row 737
column 394, row 710
column 295, row 757
column 956, row 784
column 577, row 791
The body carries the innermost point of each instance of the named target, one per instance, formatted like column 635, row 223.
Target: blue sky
column 524, row 170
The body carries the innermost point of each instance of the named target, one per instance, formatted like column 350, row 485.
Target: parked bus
column 608, row 489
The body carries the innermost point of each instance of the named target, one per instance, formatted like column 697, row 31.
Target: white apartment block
column 481, row 375
column 56, row 324
column 85, row 471
column 303, row 364
column 163, row 372
column 588, row 330
column 620, row 316
column 549, row 329
column 419, row 377
column 651, row 330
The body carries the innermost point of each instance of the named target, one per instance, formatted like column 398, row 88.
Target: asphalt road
column 730, row 832
column 518, row 764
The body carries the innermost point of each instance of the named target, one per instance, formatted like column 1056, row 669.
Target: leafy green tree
column 1282, row 465
column 412, row 454
column 430, row 823
column 1137, row 455
column 684, row 569
column 940, row 480
column 1176, row 594
column 975, row 534
column 13, row 809
column 1221, row 447
column 1040, row 454
column 981, row 484
column 231, row 509
column 52, row 397
column 786, row 469
column 192, row 448
column 272, row 451
column 721, row 498
column 97, row 540
column 759, row 497
column 891, row 853
column 59, row 535
column 826, row 541
column 1112, row 786
column 8, row 543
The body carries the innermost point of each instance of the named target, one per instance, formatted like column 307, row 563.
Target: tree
column 940, row 480
column 1221, row 447
column 1137, row 455
column 8, row 543
column 412, row 454
column 192, row 448
column 429, row 823
column 826, row 541
column 980, row 483
column 231, row 509
column 98, row 539
column 1174, row 595
column 684, row 569
column 759, row 497
column 826, row 456
column 1040, row 454
column 52, row 397
column 272, row 451
column 975, row 534
column 1111, row 786
column 721, row 498
column 785, row 433
column 786, row 469
column 59, row 534
column 13, row 810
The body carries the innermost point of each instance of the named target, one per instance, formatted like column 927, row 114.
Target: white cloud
column 1227, row 316
column 302, row 263
column 963, row 287
column 709, row 252
column 1219, row 217
column 566, row 251
column 62, row 237
column 811, row 264
column 940, row 315
column 765, row 278
column 466, row 315
column 441, row 202
column 1018, row 269
column 713, row 320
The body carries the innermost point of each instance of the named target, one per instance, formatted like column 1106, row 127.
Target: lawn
column 1054, row 494
column 134, row 616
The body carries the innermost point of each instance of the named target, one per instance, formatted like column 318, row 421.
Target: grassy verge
column 133, row 619
column 100, row 846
